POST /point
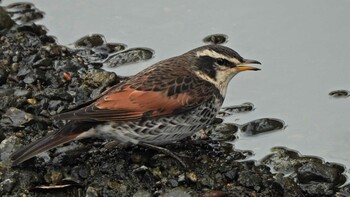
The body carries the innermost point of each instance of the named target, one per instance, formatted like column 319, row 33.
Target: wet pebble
column 7, row 146
column 172, row 183
column 318, row 189
column 244, row 107
column 132, row 55
column 80, row 172
column 290, row 188
column 6, row 92
column 24, row 12
column 339, row 93
column 214, row 193
column 21, row 92
column 179, row 191
column 6, row 186
column 98, row 78
column 314, row 171
column 30, row 78
column 16, row 117
column 5, row 20
column 2, row 135
column 216, row 39
column 249, row 179
column 91, row 192
column 90, row 41
column 263, row 125
column 54, row 177
column 344, row 191
column 109, row 48
column 224, row 131
column 142, row 193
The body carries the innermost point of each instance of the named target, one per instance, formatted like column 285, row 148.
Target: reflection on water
column 304, row 55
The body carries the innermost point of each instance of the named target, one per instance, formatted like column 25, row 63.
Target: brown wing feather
column 155, row 92
column 131, row 104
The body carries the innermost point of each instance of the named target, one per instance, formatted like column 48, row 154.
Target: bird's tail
column 68, row 133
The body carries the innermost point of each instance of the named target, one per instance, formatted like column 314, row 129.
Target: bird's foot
column 165, row 151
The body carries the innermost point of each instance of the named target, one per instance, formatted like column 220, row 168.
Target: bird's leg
column 165, row 151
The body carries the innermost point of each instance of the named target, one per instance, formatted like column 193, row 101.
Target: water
column 303, row 45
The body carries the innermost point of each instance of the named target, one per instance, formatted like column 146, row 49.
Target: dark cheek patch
column 206, row 65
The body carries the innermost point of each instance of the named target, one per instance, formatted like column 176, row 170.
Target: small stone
column 214, row 194
column 20, row 92
column 224, row 132
column 120, row 187
column 318, row 189
column 31, row 101
column 173, row 183
column 249, row 179
column 142, row 193
column 192, row 176
column 339, row 93
column 216, row 39
column 16, row 117
column 5, row 20
column 56, row 177
column 129, row 56
column 7, row 185
column 179, row 192
column 91, row 192
column 90, row 41
column 262, row 125
column 319, row 172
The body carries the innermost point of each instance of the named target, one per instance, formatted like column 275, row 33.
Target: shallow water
column 303, row 46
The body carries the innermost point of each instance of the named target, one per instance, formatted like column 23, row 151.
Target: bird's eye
column 221, row 61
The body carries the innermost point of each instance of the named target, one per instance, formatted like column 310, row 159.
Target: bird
column 162, row 104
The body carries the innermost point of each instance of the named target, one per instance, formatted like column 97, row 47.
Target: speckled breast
column 162, row 130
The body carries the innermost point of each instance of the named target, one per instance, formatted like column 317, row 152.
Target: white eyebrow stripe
column 214, row 54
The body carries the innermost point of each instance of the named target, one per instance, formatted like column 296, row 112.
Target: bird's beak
column 243, row 66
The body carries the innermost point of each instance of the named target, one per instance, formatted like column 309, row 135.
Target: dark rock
column 21, row 92
column 249, row 179
column 290, row 188
column 90, row 41
column 318, row 189
column 109, row 48
column 179, row 191
column 214, row 193
column 99, row 78
column 16, row 117
column 132, row 55
column 262, row 126
column 142, row 193
column 224, row 132
column 5, row 20
column 24, row 12
column 216, row 39
column 339, row 93
column 173, row 183
column 7, row 185
column 2, row 136
column 227, row 111
column 318, row 172
column 344, row 190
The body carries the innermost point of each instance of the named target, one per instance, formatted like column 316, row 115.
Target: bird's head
column 218, row 64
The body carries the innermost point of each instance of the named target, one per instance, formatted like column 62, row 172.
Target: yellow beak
column 244, row 66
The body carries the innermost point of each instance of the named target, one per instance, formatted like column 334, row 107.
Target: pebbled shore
column 40, row 78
